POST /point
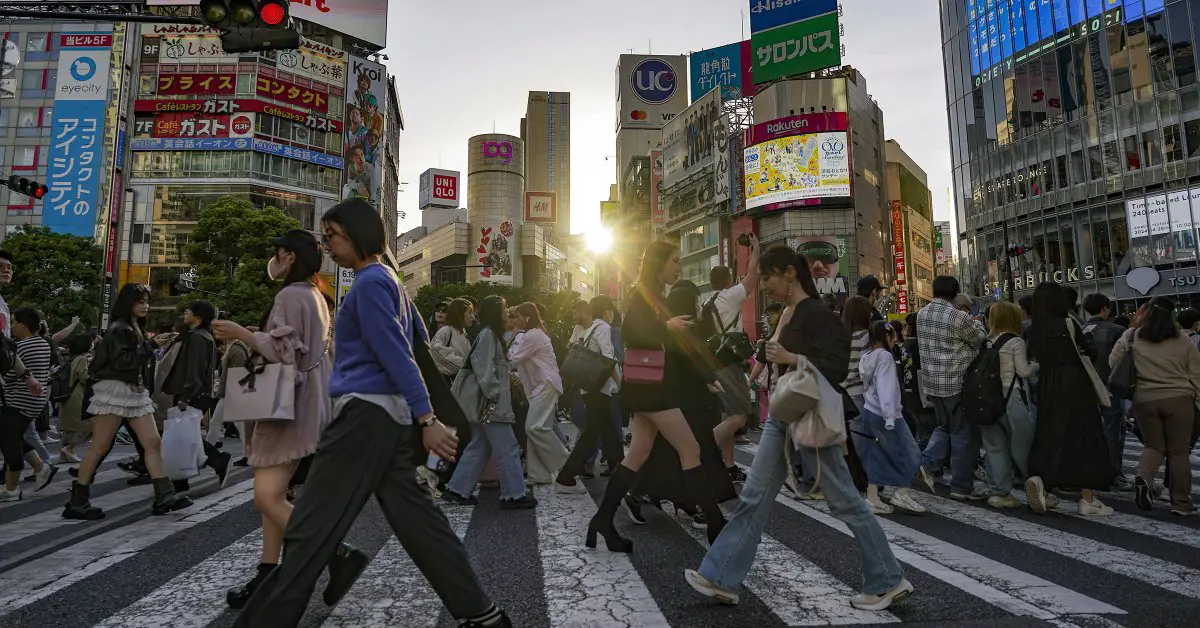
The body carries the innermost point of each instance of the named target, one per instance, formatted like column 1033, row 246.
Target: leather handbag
column 644, row 366
column 265, row 391
column 586, row 368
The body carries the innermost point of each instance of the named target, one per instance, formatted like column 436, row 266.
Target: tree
column 229, row 250
column 57, row 273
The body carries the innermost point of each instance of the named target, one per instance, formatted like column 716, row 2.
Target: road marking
column 391, row 591
column 1152, row 528
column 585, row 587
column 52, row 519
column 58, row 489
column 50, row 574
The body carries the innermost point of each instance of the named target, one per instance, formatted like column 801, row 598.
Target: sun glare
column 599, row 239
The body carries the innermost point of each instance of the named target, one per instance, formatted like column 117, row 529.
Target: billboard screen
column 828, row 260
column 768, row 14
column 727, row 67
column 366, row 100
column 690, row 140
column 797, row 170
column 651, row 90
column 797, row 48
column 541, row 207
column 439, row 188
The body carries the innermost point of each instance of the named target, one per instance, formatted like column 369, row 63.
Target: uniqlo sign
column 439, row 188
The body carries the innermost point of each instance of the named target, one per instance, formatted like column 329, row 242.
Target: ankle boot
column 345, row 566
column 80, row 505
column 493, row 618
column 697, row 486
column 239, row 596
column 165, row 499
column 602, row 523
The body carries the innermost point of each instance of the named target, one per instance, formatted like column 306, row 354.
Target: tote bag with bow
column 265, row 391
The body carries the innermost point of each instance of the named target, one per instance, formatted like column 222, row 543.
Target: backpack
column 984, row 395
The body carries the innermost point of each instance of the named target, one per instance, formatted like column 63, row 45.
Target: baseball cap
column 868, row 284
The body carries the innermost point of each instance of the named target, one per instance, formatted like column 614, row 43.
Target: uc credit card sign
column 76, row 158
column 767, row 14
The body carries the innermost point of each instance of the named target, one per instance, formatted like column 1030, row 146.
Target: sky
column 466, row 67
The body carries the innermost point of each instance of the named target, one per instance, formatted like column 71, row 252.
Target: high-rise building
column 1075, row 143
column 911, row 230
column 546, row 129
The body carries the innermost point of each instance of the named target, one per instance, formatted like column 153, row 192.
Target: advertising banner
column 12, row 59
column 439, row 188
column 366, row 100
column 689, row 140
column 658, row 215
column 797, row 125
column 767, row 14
column 231, row 106
column 200, row 125
column 939, row 249
column 828, row 260
column 798, row 48
column 291, row 93
column 650, row 90
column 902, row 301
column 897, row 228
column 313, row 61
column 541, row 207
column 77, row 135
column 722, row 174
column 364, row 19
column 345, row 278
column 195, row 84
column 495, row 252
column 797, row 170
column 142, row 144
column 727, row 67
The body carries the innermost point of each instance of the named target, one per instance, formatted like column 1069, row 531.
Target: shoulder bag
column 1122, row 382
column 729, row 347
column 266, row 391
column 586, row 368
column 1102, row 394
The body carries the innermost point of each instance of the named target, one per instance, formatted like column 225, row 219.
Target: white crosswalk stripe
column 792, row 581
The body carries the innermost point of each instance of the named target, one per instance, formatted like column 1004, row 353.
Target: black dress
column 644, row 328
column 1069, row 448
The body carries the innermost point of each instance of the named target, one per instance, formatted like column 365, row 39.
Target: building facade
column 495, row 202
column 912, row 233
column 546, row 130
column 1075, row 146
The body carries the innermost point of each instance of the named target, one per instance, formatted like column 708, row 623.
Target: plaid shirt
column 948, row 340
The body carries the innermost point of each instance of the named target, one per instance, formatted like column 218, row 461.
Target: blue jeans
column 495, row 439
column 1007, row 444
column 1113, row 420
column 35, row 441
column 729, row 559
column 955, row 439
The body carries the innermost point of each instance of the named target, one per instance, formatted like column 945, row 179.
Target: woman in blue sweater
column 379, row 398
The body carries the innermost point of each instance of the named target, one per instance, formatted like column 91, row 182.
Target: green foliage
column 558, row 305
column 234, row 237
column 59, row 274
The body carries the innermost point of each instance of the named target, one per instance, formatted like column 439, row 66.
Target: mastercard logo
column 637, row 114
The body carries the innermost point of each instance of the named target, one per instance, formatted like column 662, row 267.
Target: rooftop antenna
column 649, row 47
column 742, row 22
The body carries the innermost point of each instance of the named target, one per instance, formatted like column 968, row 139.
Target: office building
column 911, row 211
column 546, row 130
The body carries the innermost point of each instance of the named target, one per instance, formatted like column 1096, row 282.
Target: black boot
column 219, row 461
column 80, row 505
column 165, row 499
column 345, row 566
column 697, row 485
column 180, row 486
column 238, row 596
column 602, row 522
column 493, row 618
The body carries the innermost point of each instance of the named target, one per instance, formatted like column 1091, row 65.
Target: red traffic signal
column 273, row 12
column 28, row 187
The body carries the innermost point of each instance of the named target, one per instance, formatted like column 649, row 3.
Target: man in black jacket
column 1104, row 334
column 191, row 380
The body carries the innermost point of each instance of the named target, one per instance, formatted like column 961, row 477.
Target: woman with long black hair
column 655, row 406
column 123, row 370
column 380, row 399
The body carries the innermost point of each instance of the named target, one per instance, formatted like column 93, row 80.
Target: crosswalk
column 971, row 565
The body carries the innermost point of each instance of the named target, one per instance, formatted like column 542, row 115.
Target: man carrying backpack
column 948, row 341
column 1104, row 334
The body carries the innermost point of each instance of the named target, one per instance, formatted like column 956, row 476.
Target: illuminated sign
column 797, row 170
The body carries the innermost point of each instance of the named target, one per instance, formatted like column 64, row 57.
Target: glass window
column 1152, row 148
column 27, row 117
column 37, row 42
column 33, row 80
column 1160, row 57
column 1139, row 58
column 4, row 119
column 25, row 156
column 1191, row 133
column 147, row 84
column 1180, row 40
column 245, row 85
column 1172, row 143
column 47, row 117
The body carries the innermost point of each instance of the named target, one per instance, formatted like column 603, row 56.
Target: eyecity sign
column 502, row 150
column 654, row 81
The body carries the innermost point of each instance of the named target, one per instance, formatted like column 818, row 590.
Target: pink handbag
column 644, row 366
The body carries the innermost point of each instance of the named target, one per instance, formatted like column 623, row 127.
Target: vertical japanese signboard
column 898, row 242
column 658, row 215
column 727, row 67
column 76, row 140
column 366, row 100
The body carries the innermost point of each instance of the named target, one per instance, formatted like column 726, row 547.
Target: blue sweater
column 373, row 339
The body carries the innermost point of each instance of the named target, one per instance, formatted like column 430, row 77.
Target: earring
column 789, row 294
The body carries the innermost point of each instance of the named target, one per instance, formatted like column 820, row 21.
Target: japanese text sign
column 727, row 67
column 291, row 93
column 767, row 14
column 797, row 48
column 197, row 84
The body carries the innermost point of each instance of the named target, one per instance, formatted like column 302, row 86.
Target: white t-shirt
column 728, row 305
column 5, row 315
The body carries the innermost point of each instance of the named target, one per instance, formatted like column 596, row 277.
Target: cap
column 868, row 284
column 296, row 239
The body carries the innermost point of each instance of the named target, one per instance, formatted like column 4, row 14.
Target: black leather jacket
column 195, row 367
column 1104, row 335
column 124, row 356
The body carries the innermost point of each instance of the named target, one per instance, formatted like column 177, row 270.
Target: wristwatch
column 424, row 424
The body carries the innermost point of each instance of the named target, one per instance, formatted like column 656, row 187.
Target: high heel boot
column 697, row 486
column 602, row 522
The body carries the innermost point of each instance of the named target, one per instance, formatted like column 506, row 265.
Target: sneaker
column 1094, row 508
column 455, row 498
column 879, row 508
column 736, row 474
column 570, row 489
column 1121, row 483
column 1052, row 501
column 10, row 496
column 1037, row 494
column 1004, row 501
column 708, row 589
column 975, row 495
column 1141, row 495
column 242, row 462
column 1180, row 512
column 633, row 508
column 32, row 477
column 45, row 476
column 523, row 502
column 812, row 496
column 903, row 500
column 925, row 480
column 867, row 602
column 699, row 521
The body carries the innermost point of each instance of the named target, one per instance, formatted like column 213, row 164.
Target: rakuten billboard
column 798, row 161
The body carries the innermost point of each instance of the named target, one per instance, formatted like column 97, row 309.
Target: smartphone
column 435, row 462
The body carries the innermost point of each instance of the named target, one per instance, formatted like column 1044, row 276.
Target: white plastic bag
column 182, row 451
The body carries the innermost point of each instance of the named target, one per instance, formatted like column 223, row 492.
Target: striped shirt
column 858, row 343
column 34, row 353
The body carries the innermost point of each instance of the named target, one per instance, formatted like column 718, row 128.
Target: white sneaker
column 1094, row 508
column 708, row 589
column 10, row 496
column 45, row 476
column 1052, row 501
column 572, row 489
column 868, row 602
column 925, row 480
column 1037, row 495
column 1003, row 501
column 903, row 500
column 879, row 508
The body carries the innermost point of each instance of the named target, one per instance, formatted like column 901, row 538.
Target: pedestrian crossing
column 970, row 564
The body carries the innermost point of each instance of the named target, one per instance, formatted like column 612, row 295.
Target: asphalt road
column 971, row 565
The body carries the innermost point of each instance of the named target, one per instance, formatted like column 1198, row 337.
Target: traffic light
column 251, row 25
column 28, row 187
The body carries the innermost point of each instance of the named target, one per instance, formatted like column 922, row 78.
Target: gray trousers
column 363, row 451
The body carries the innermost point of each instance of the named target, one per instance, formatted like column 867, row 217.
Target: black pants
column 597, row 427
column 12, row 438
column 363, row 451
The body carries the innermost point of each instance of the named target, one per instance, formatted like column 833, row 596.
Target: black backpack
column 984, row 395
